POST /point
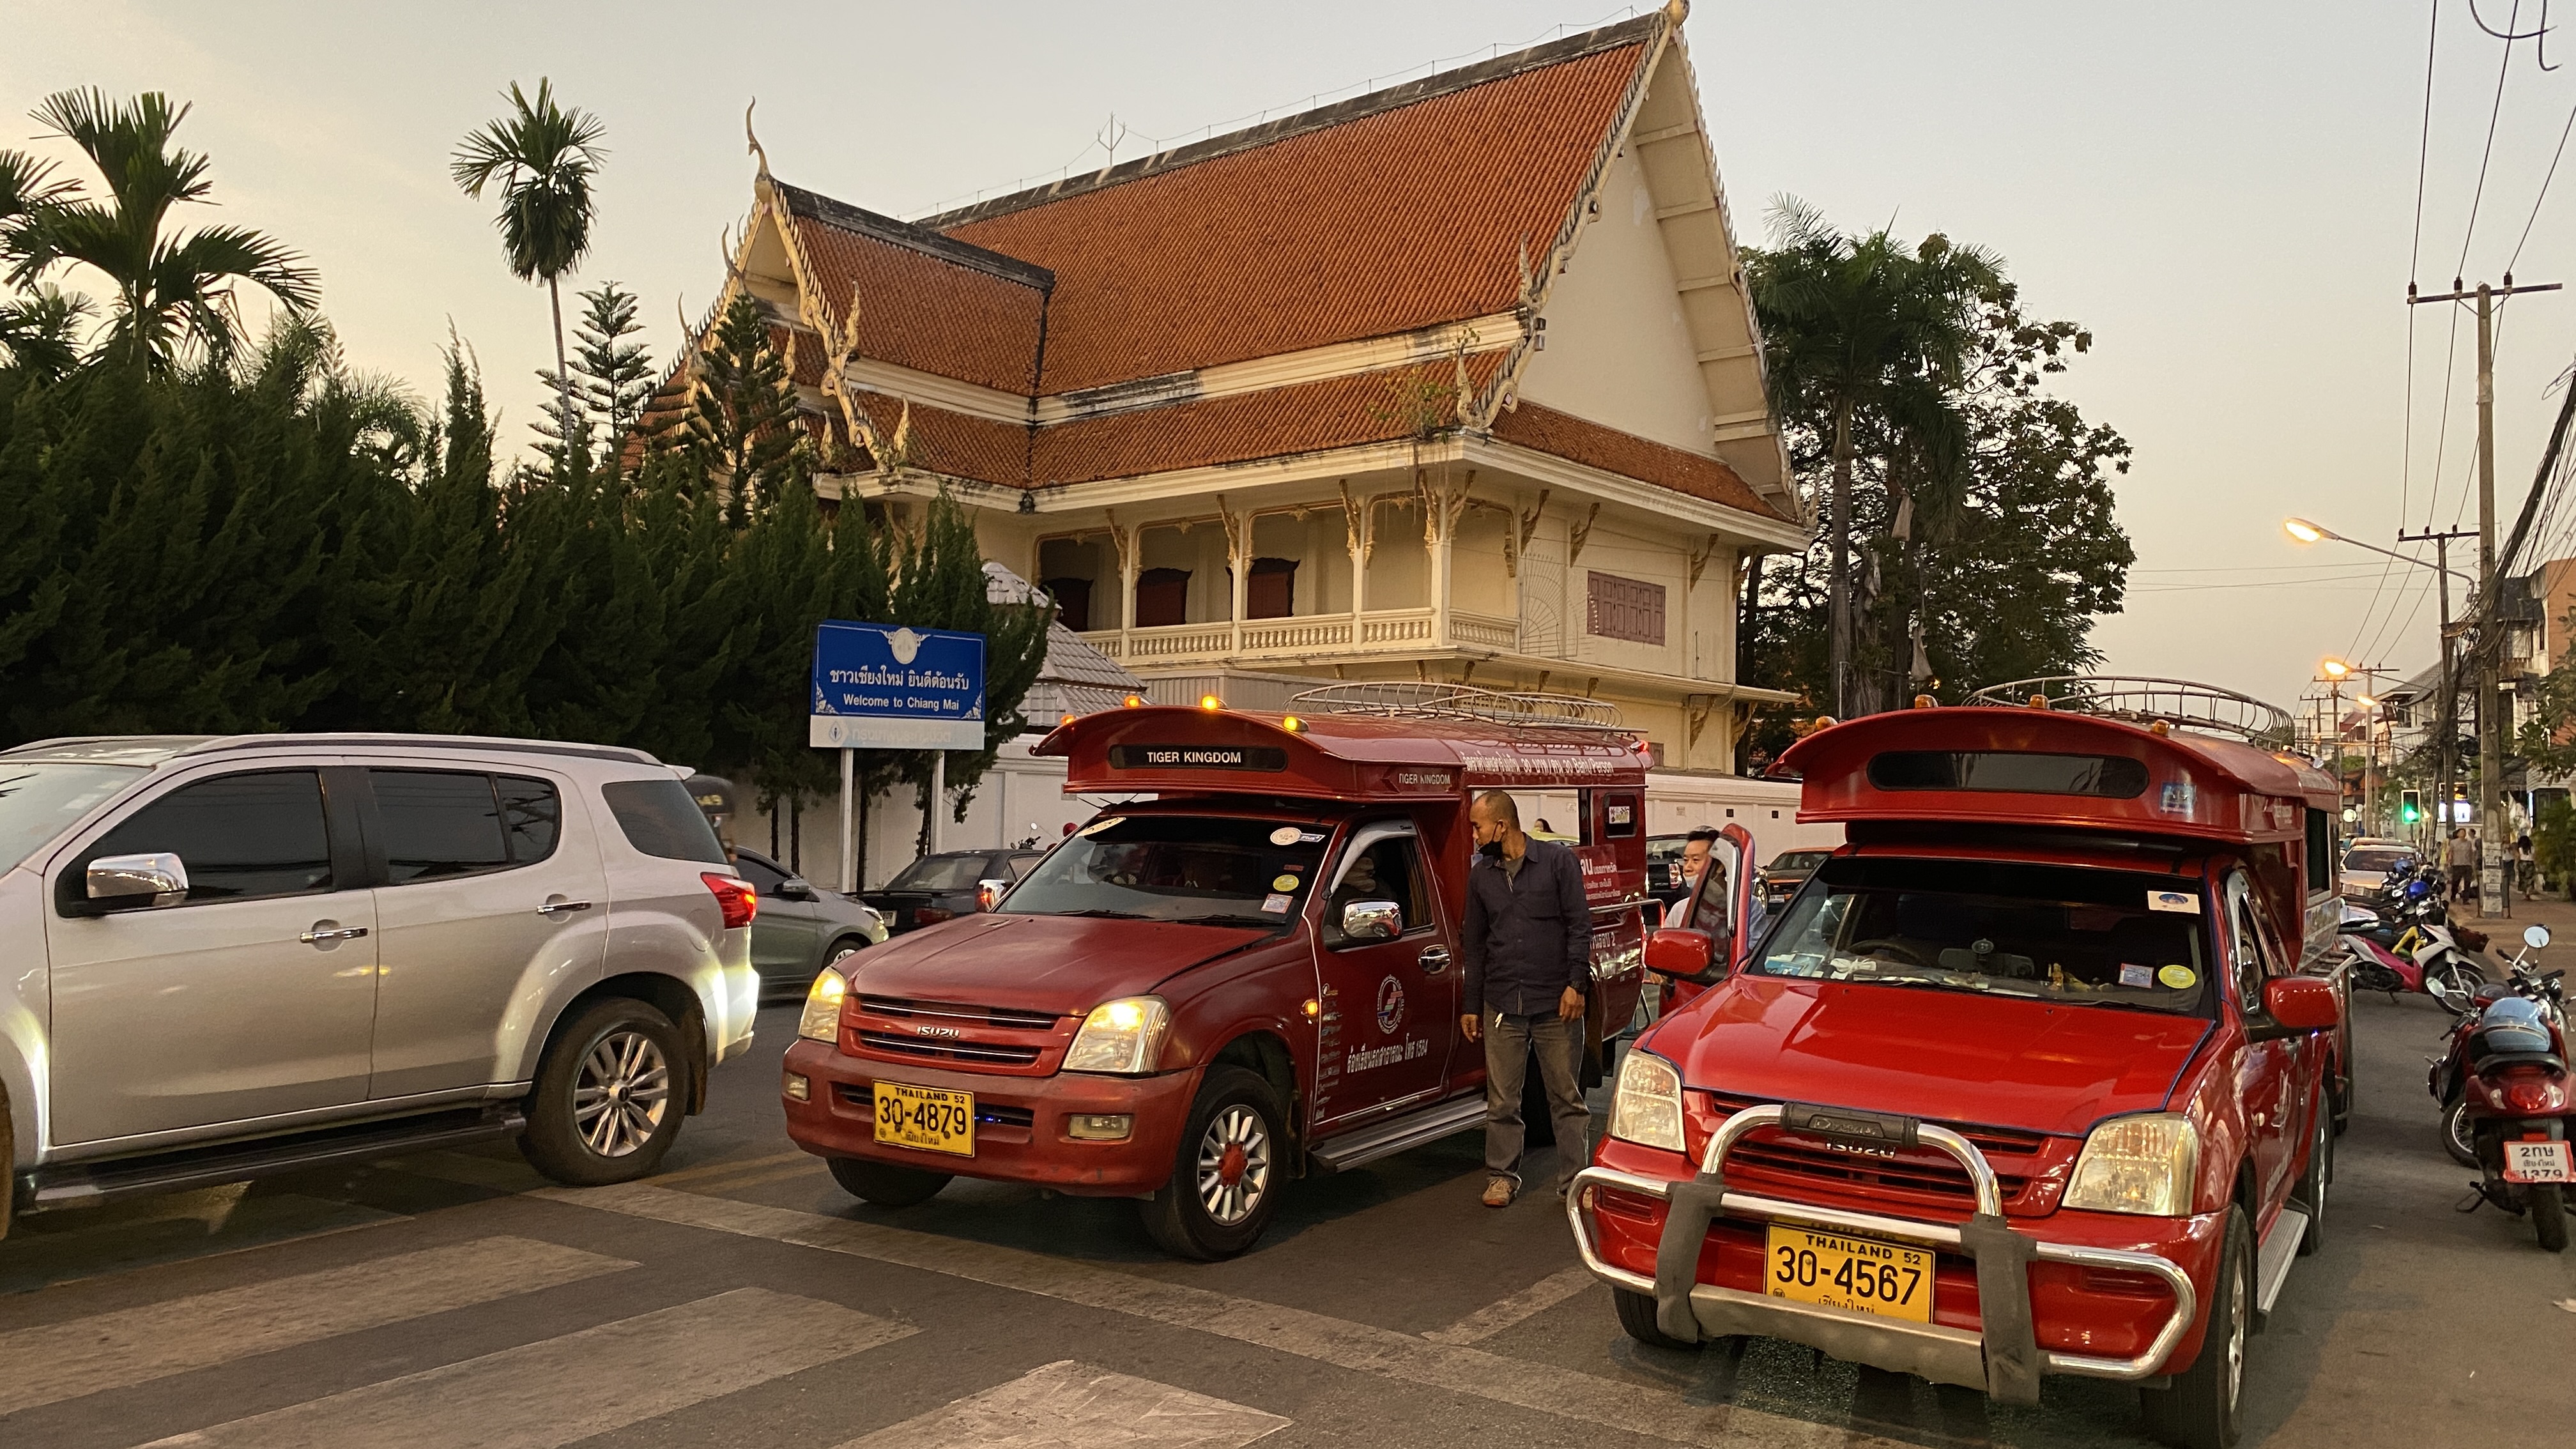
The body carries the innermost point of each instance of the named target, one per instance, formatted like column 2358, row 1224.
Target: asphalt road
column 451, row 1299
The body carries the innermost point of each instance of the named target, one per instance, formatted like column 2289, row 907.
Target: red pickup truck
column 2026, row 1080
column 1249, row 977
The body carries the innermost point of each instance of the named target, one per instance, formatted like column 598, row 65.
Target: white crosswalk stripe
column 540, row 1395
column 1071, row 1405
column 53, row 1362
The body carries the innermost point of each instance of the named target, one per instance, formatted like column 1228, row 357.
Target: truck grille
column 1769, row 1161
column 948, row 1050
column 940, row 1011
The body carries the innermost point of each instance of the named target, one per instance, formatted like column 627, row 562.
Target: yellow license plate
column 926, row 1118
column 1841, row 1271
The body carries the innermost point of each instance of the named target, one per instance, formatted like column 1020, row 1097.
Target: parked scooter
column 2505, row 1096
column 2418, row 951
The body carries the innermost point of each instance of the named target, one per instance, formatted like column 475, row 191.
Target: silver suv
column 228, row 957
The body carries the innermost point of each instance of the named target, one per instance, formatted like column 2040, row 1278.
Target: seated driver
column 1359, row 883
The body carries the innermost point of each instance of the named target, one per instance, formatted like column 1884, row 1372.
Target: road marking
column 811, row 1167
column 1071, row 1405
column 552, row 1392
column 58, row 1361
column 1537, row 1298
column 1362, row 1348
column 719, row 1169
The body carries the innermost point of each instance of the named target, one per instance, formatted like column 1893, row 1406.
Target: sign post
column 882, row 687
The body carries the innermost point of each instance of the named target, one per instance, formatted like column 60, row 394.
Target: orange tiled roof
column 924, row 301
column 1368, row 407
column 956, row 444
column 1403, row 217
column 1545, row 430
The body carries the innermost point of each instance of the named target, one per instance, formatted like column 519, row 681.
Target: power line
column 2504, row 68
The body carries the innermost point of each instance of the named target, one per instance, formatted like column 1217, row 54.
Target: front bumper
column 1020, row 1127
column 2001, row 1355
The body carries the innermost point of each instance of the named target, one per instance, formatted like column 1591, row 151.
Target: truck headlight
column 1124, row 1036
column 2138, row 1165
column 822, row 1018
column 1647, row 1107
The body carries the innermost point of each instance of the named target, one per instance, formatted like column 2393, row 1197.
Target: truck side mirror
column 1683, row 954
column 125, row 882
column 1372, row 920
column 2302, row 1003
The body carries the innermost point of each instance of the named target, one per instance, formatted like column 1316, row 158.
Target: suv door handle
column 550, row 907
column 1433, row 960
column 320, row 934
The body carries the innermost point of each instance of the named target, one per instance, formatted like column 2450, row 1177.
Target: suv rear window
column 660, row 818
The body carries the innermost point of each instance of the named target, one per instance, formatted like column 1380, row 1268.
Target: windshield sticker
column 1286, row 835
column 1275, row 905
column 2177, row 798
column 1284, row 883
column 2132, row 975
column 1304, row 837
column 2183, row 901
column 1097, row 826
column 2180, row 978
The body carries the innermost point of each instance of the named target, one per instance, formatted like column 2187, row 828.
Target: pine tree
column 741, row 428
column 616, row 372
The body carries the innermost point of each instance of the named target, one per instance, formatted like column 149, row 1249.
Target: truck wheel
column 1637, row 1315
column 2199, row 1409
column 886, row 1184
column 8, row 1166
column 2459, row 1134
column 606, row 1104
column 2311, row 1192
column 1226, row 1176
column 2547, row 1204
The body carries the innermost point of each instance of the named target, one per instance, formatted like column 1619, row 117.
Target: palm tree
column 172, row 288
column 1860, row 325
column 544, row 158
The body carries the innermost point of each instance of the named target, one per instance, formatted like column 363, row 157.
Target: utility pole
column 2445, row 718
column 2493, row 843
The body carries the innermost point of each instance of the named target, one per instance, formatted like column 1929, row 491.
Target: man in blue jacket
column 1528, row 947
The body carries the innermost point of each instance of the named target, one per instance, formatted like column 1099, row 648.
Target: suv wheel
column 1226, row 1176
column 606, row 1105
column 887, row 1184
column 2199, row 1409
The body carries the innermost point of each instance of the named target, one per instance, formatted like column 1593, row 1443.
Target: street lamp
column 2303, row 531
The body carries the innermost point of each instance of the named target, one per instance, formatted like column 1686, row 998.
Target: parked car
column 1787, row 871
column 2033, row 1080
column 942, row 887
column 230, row 957
column 801, row 928
column 2367, row 862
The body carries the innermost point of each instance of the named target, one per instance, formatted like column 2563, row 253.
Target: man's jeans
column 1510, row 1042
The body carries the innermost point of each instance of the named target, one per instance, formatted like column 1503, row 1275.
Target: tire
column 2547, row 1204
column 609, row 1095
column 2459, row 1134
column 2343, row 1095
column 2314, row 1183
column 2200, row 1408
column 886, row 1184
column 2467, row 979
column 1637, row 1315
column 1227, row 1172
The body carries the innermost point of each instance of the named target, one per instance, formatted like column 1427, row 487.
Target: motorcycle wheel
column 2459, row 1135
column 2547, row 1204
column 2461, row 996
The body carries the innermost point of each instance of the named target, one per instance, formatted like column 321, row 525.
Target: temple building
column 1456, row 381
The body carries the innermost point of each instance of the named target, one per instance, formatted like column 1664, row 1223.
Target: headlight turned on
column 822, row 1018
column 1123, row 1036
column 1647, row 1107
column 2138, row 1165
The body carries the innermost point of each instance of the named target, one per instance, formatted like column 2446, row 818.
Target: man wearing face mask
column 1528, row 949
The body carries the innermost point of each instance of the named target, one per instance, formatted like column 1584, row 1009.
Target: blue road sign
column 883, row 687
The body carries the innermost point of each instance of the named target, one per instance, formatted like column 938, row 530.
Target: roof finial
column 748, row 135
column 1679, row 10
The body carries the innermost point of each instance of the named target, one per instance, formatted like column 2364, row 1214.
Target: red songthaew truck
column 1251, row 976
column 2038, row 1074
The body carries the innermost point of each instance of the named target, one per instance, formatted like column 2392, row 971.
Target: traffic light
column 2410, row 806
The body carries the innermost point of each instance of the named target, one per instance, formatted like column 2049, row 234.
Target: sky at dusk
column 2225, row 194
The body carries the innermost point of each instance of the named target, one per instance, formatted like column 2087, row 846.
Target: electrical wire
column 2477, row 197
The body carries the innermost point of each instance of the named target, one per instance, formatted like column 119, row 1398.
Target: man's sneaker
column 1498, row 1193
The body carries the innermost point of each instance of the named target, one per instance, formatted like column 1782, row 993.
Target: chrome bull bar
column 2004, row 1359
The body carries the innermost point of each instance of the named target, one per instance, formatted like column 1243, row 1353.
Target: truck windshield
column 1202, row 868
column 2054, row 933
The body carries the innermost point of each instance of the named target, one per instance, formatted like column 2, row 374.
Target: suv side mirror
column 2302, row 1003
column 125, row 882
column 795, row 888
column 1372, row 920
column 1684, row 954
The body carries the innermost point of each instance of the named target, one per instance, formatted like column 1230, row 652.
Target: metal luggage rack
column 1403, row 699
column 2144, row 701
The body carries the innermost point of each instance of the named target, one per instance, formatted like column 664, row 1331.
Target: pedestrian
column 1528, row 949
column 2525, row 864
column 2461, row 859
column 1543, row 827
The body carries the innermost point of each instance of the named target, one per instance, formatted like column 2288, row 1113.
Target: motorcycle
column 2418, row 951
column 2506, row 1103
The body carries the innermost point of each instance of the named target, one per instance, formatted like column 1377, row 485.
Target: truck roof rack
column 2140, row 700
column 1405, row 699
